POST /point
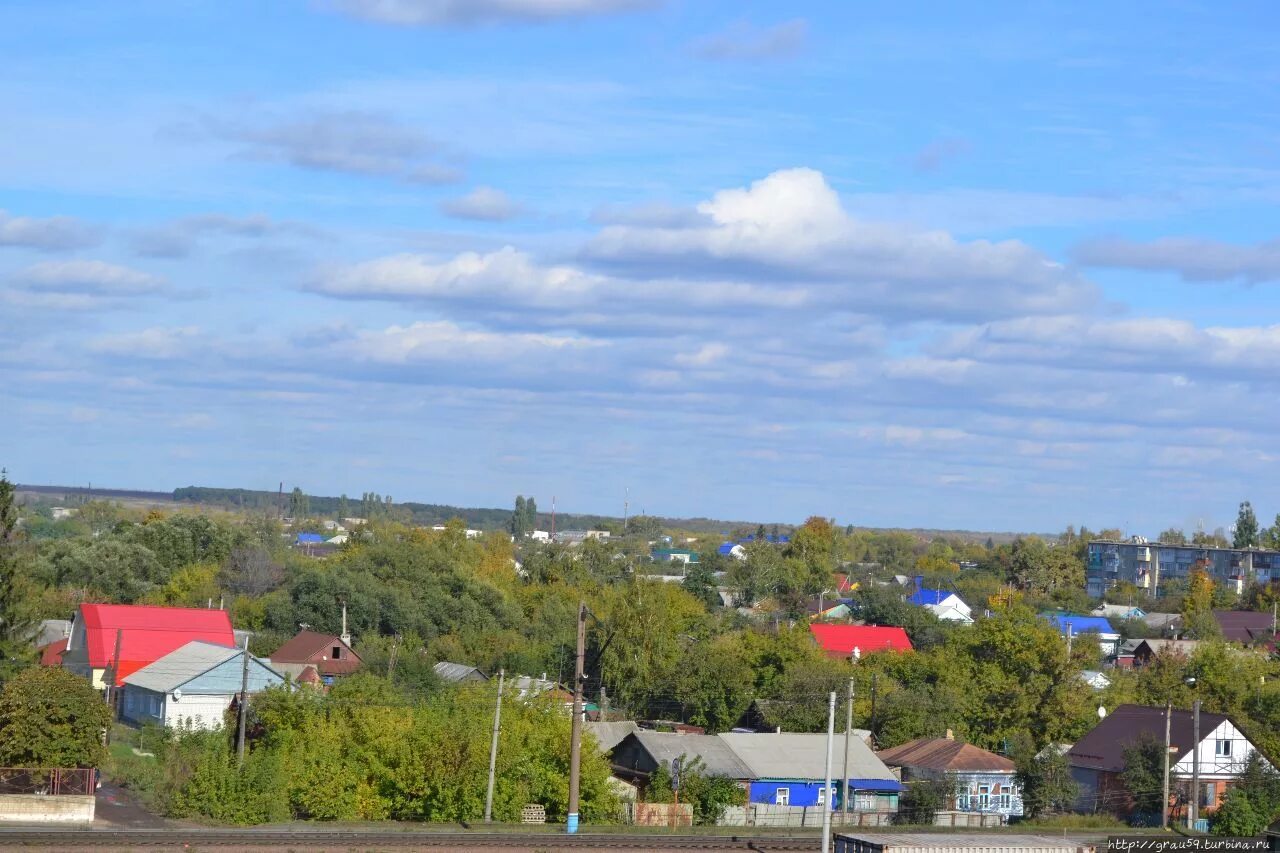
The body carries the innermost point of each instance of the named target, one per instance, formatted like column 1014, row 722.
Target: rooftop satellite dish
column 177, row 693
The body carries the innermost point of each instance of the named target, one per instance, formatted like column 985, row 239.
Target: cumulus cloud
column 1190, row 258
column 351, row 142
column 53, row 234
column 471, row 12
column 791, row 227
column 745, row 42
column 484, row 204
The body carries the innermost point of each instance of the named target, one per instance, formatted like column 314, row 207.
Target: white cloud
column 178, row 238
column 470, row 12
column 485, row 204
column 52, row 234
column 442, row 341
column 1190, row 258
column 704, row 356
column 85, row 277
column 745, row 42
column 791, row 227
column 158, row 343
column 504, row 274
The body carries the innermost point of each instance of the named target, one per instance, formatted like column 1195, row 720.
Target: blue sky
column 1010, row 266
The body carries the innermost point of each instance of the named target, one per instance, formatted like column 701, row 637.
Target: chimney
column 345, row 637
column 950, row 735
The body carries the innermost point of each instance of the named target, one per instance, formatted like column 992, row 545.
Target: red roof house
column 331, row 655
column 51, row 653
column 840, row 641
column 146, row 634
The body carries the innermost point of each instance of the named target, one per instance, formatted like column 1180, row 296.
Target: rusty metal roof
column 945, row 754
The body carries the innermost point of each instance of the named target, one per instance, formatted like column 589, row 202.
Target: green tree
column 299, row 503
column 1172, row 536
column 519, row 518
column 1046, row 783
column 924, row 798
column 15, row 623
column 1252, row 803
column 709, row 795
column 50, row 717
column 1143, row 774
column 1197, row 606
column 1246, row 532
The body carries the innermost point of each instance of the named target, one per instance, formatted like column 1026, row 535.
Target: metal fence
column 51, row 781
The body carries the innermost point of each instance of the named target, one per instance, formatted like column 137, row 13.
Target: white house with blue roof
column 1073, row 625
column 732, row 549
column 192, row 686
column 942, row 603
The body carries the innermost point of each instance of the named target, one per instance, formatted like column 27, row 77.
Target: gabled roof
column 727, row 548
column 609, row 735
column 180, row 666
column 1103, row 747
column 1079, row 624
column 313, row 647
column 1244, row 626
column 1176, row 647
column 147, row 633
column 945, row 755
column 803, row 756
column 309, row 539
column 930, row 596
column 450, row 671
column 717, row 758
column 841, row 640
column 51, row 653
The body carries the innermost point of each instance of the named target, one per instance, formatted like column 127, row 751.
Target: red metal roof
column 147, row 633
column 841, row 640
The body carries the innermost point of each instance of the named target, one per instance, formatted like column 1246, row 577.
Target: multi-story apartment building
column 1148, row 565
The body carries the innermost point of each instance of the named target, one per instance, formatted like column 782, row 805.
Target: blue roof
column 930, row 596
column 310, row 538
column 1079, row 624
column 727, row 548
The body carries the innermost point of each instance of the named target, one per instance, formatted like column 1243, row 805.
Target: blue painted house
column 192, row 686
column 1074, row 625
column 788, row 770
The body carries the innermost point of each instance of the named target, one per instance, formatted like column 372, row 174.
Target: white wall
column 1213, row 766
column 40, row 808
column 201, row 712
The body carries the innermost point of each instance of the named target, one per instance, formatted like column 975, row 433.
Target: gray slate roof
column 717, row 758
column 804, row 756
column 609, row 735
column 450, row 671
column 180, row 666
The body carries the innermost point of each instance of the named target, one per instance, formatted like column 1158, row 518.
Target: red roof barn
column 146, row 634
column 839, row 641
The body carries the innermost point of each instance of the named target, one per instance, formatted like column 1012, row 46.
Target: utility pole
column 112, row 672
column 553, row 516
column 244, row 698
column 848, row 732
column 626, row 510
column 1193, row 810
column 1164, row 803
column 575, row 743
column 493, row 749
column 1070, row 632
column 604, row 705
column 826, row 809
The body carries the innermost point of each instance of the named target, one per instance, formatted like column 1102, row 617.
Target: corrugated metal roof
column 804, row 756
column 450, row 671
column 1079, row 624
column 1103, row 747
column 147, row 633
column 945, row 754
column 717, row 758
column 843, row 639
column 1244, row 626
column 930, row 596
column 178, row 667
column 307, row 646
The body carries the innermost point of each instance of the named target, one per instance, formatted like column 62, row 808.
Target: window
column 782, row 797
column 1006, row 800
column 1208, row 795
column 984, row 797
column 337, row 653
column 822, row 796
column 1222, row 747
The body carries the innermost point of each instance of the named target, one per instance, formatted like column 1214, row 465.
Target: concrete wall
column 42, row 808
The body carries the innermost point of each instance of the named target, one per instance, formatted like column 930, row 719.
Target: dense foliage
column 50, row 717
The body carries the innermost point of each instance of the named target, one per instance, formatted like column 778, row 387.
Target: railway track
column 251, row 839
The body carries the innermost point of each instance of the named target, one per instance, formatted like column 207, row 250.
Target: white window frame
column 782, row 796
column 984, row 797
column 822, row 796
column 1222, row 747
